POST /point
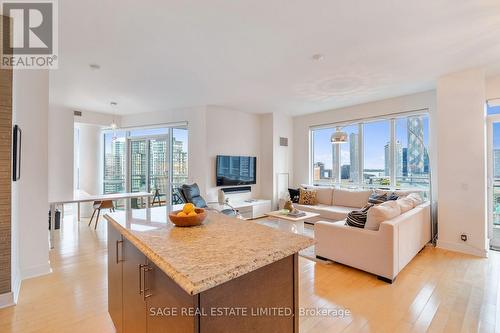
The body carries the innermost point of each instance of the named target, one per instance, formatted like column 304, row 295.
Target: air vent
column 77, row 113
column 283, row 142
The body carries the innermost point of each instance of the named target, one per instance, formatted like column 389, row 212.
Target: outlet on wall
column 463, row 237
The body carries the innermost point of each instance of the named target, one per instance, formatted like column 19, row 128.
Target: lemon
column 188, row 208
column 181, row 214
column 193, row 213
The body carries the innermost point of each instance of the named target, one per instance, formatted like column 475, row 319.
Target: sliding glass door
column 159, row 166
column 153, row 160
column 149, row 167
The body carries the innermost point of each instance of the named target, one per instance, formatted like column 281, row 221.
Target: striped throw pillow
column 392, row 196
column 357, row 218
column 376, row 198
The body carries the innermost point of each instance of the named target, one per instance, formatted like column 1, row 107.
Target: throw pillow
column 376, row 198
column 405, row 204
column 416, row 198
column 357, row 218
column 392, row 196
column 381, row 213
column 307, row 197
column 294, row 194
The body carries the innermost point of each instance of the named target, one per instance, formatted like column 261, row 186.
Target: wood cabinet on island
column 227, row 275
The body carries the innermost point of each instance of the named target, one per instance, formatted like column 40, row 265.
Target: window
column 492, row 109
column 411, row 153
column 379, row 153
column 323, row 156
column 114, row 162
column 151, row 160
column 349, row 156
column 179, row 156
column 377, row 158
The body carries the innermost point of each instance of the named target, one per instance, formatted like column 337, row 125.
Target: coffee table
column 282, row 216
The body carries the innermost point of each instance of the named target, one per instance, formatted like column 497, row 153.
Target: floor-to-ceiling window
column 493, row 126
column 392, row 152
column 114, row 162
column 151, row 160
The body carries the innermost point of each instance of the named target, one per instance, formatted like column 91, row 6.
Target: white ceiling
column 256, row 56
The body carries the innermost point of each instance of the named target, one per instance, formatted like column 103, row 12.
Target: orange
column 188, row 208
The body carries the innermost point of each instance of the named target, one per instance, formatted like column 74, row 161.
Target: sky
column 496, row 126
column 376, row 135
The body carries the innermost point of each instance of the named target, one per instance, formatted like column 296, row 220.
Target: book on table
column 297, row 214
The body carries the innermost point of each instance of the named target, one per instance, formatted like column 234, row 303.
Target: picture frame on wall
column 16, row 153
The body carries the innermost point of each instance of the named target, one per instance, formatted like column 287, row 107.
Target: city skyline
column 410, row 161
column 376, row 135
column 159, row 161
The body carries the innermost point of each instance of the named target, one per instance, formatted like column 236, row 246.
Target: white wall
column 493, row 87
column 60, row 153
column 282, row 156
column 90, row 162
column 62, row 167
column 462, row 161
column 301, row 125
column 231, row 132
column 30, row 193
column 266, row 177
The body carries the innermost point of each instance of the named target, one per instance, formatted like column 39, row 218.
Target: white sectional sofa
column 334, row 204
column 384, row 252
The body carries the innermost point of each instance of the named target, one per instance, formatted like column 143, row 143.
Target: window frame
column 128, row 138
column 392, row 119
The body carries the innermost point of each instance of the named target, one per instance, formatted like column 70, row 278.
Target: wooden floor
column 439, row 291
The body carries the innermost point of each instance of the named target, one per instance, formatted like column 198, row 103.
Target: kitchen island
column 227, row 275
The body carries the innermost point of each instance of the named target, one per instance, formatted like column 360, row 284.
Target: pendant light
column 339, row 136
column 114, row 125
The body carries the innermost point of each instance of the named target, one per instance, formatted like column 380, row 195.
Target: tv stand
column 248, row 207
column 252, row 210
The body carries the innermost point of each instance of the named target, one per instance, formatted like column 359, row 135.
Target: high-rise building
column 353, row 157
column 345, row 171
column 398, row 159
column 416, row 148
column 426, row 161
column 179, row 162
column 158, row 165
column 404, row 155
column 114, row 167
column 387, row 159
column 138, row 165
column 496, row 163
column 319, row 167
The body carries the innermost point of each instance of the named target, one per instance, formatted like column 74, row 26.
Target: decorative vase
column 288, row 205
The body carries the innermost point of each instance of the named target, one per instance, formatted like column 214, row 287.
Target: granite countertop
column 202, row 257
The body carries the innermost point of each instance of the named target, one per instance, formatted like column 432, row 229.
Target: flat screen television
column 236, row 170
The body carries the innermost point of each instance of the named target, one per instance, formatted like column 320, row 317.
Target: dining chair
column 98, row 205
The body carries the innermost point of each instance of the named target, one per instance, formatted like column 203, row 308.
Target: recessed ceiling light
column 94, row 66
column 318, row 57
column 113, row 103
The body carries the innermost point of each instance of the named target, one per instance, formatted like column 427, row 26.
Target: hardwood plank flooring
column 439, row 291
